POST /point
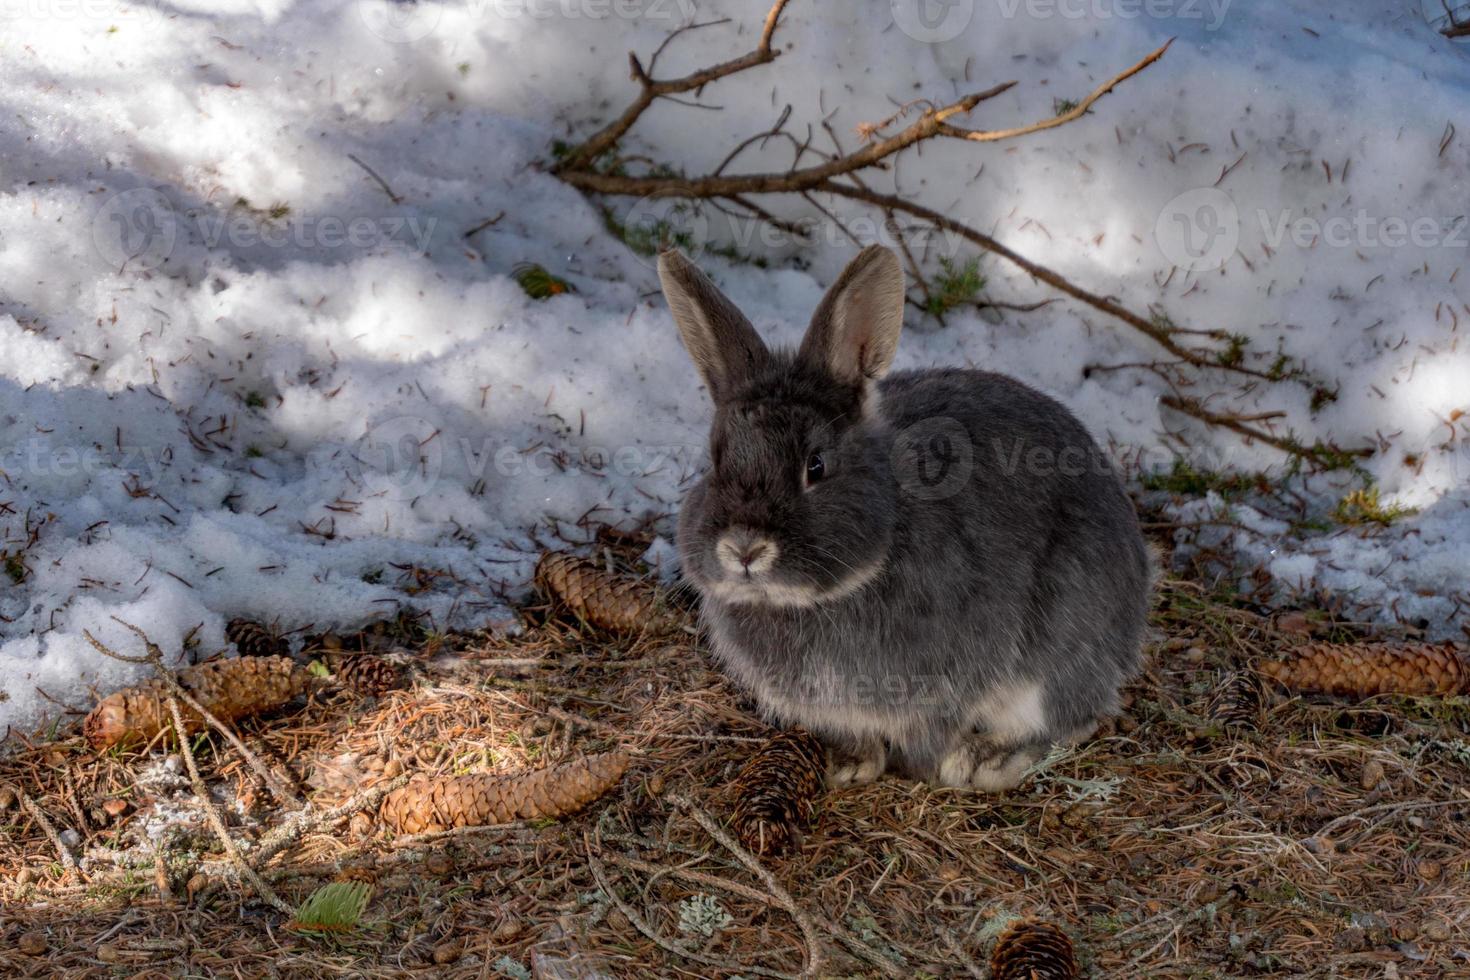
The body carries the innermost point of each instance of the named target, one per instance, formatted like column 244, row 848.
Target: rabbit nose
column 744, row 551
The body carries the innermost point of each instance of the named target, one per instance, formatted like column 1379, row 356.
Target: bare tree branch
column 650, row 90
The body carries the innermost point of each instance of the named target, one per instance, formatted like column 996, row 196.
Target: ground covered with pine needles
column 1217, row 828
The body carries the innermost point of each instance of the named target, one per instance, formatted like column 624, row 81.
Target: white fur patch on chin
column 754, row 591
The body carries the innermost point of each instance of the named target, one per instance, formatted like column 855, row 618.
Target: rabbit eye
column 816, row 468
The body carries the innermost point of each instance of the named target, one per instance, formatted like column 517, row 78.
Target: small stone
column 33, row 944
column 392, row 768
column 509, row 929
column 1372, row 774
column 1194, row 655
column 70, row 837
column 449, row 952
column 361, row 825
column 115, row 807
column 618, row 922
column 8, row 798
column 109, row 953
column 656, row 784
column 1429, row 870
column 1435, row 930
column 1294, row 622
column 24, row 876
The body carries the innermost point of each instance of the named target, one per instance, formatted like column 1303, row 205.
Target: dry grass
column 1319, row 839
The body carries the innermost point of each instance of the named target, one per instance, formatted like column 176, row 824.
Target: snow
column 240, row 378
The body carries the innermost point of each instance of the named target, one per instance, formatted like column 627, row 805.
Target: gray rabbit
column 935, row 571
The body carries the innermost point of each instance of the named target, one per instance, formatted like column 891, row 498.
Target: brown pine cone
column 428, row 805
column 254, row 639
column 617, row 603
column 1365, row 669
column 1236, row 701
column 1031, row 949
column 228, row 689
column 366, row 674
column 776, row 792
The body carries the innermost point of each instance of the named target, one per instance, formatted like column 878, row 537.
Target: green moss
column 1186, row 480
column 955, row 284
column 1362, row 507
column 538, row 283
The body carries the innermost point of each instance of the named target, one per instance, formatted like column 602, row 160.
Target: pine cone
column 620, row 604
column 1033, row 950
column 254, row 639
column 777, row 790
column 427, row 805
column 228, row 689
column 1236, row 701
column 366, row 674
column 1365, row 669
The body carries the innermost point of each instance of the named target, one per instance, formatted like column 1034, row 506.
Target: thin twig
column 599, row 872
column 217, row 822
column 374, row 175
column 1076, row 112
column 48, row 828
column 815, row 958
column 650, row 90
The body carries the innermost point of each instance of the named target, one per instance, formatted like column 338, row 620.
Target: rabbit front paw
column 856, row 763
column 979, row 762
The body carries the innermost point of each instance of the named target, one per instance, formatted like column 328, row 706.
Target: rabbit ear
column 725, row 347
column 854, row 332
